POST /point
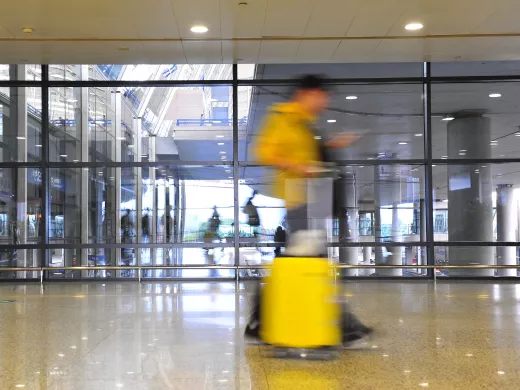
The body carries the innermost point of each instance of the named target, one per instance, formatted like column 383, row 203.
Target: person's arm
column 271, row 146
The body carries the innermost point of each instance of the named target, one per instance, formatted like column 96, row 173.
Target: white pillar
column 470, row 205
column 387, row 195
column 367, row 252
column 507, row 222
column 82, row 120
column 19, row 119
column 348, row 222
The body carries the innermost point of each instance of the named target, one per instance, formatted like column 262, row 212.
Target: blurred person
column 253, row 218
column 280, row 236
column 145, row 224
column 289, row 142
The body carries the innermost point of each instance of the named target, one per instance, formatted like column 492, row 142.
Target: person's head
column 312, row 94
column 127, row 211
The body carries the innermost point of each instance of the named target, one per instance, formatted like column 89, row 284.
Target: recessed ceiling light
column 317, row 137
column 20, row 138
column 38, row 146
column 222, row 152
column 63, row 155
column 220, row 136
column 220, row 143
column 418, row 135
column 27, row 30
column 448, row 118
column 331, row 120
column 414, row 26
column 351, row 97
column 75, row 161
column 199, row 29
column 403, row 143
column 494, row 95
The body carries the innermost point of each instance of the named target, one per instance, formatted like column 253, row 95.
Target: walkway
column 189, row 336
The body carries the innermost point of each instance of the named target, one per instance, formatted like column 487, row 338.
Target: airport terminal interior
column 127, row 257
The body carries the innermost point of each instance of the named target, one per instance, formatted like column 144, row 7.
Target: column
column 367, row 252
column 387, row 197
column 138, row 174
column 470, row 208
column 18, row 130
column 348, row 221
column 152, row 177
column 507, row 223
column 82, row 121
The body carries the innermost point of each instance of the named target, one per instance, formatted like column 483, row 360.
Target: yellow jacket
column 287, row 134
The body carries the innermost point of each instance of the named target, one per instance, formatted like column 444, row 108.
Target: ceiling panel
column 203, row 52
column 242, row 21
column 154, row 19
column 376, row 18
column 162, row 53
column 400, row 50
column 244, row 52
column 278, row 52
column 308, row 51
column 332, row 18
column 355, row 51
column 197, row 12
column 287, row 17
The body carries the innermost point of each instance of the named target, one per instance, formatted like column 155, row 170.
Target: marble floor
column 167, row 335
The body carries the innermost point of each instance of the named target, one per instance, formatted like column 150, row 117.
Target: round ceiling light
column 414, row 26
column 331, row 120
column 403, row 143
column 199, row 29
column 448, row 118
column 351, row 97
column 495, row 95
column 27, row 30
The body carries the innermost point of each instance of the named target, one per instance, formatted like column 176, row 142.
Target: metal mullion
column 334, row 81
column 143, row 164
column 428, row 153
column 475, row 161
column 356, row 162
column 236, row 215
column 144, row 84
column 45, row 167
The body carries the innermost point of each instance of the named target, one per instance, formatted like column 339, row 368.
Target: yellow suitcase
column 299, row 306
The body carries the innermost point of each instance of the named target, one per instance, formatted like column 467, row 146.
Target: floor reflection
column 168, row 335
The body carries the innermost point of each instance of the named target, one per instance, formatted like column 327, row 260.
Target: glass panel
column 333, row 71
column 382, row 202
column 475, row 256
column 20, row 135
column 19, row 258
column 366, row 256
column 176, row 206
column 475, row 121
column 64, row 72
column 476, row 68
column 188, row 256
column 385, row 121
column 20, row 205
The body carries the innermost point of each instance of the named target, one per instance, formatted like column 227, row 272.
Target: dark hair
column 311, row 81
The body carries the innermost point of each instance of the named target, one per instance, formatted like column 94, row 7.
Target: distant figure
column 214, row 222
column 145, row 225
column 280, row 236
column 253, row 218
column 126, row 238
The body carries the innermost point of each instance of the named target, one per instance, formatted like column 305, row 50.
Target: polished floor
column 457, row 335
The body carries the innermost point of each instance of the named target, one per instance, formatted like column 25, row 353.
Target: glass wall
column 129, row 171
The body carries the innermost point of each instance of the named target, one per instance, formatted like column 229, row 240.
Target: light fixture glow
column 418, row 135
column 27, row 30
column 500, row 372
column 413, row 26
column 444, row 157
column 199, row 29
column 351, row 97
column 331, row 120
column 517, row 134
column 317, row 137
column 403, row 143
column 220, row 143
column 220, row 136
column 38, row 146
column 495, row 95
column 63, row 155
column 20, row 138
column 448, row 118
column 222, row 152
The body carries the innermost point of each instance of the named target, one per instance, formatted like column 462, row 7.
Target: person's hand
column 342, row 140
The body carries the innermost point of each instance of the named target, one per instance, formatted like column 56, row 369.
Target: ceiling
column 262, row 31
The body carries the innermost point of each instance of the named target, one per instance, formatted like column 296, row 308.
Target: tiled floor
column 189, row 336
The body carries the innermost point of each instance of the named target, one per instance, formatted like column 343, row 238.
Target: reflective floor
column 189, row 336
